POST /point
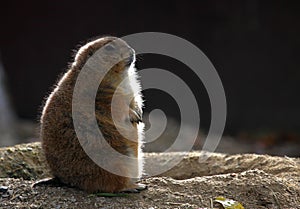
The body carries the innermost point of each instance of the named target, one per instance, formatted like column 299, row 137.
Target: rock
column 23, row 161
column 256, row 181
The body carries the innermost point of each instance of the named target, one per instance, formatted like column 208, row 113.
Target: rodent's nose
column 130, row 59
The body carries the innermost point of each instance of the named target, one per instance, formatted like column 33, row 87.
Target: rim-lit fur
column 65, row 156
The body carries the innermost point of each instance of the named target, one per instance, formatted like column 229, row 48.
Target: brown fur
column 65, row 156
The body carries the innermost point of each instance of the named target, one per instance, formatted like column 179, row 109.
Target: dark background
column 254, row 45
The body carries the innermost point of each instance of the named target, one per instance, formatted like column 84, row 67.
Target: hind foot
column 136, row 188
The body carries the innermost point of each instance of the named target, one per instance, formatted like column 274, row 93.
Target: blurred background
column 254, row 45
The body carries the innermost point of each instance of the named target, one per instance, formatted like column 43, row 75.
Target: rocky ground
column 256, row 181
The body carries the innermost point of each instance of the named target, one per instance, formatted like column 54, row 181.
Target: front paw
column 141, row 187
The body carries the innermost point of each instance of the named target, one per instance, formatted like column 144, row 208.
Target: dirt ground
column 256, row 181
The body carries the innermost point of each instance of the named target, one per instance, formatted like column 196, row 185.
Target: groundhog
column 117, row 112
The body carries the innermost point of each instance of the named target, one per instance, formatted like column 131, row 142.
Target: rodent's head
column 107, row 51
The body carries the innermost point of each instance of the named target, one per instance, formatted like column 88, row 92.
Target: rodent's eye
column 109, row 47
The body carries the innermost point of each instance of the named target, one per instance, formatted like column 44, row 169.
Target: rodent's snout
column 119, row 48
column 131, row 58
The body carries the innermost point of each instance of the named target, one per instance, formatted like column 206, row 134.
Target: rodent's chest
column 120, row 106
column 120, row 96
column 114, row 103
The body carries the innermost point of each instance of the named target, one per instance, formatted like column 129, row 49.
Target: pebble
column 10, row 191
column 22, row 198
column 5, row 195
column 73, row 199
column 3, row 189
